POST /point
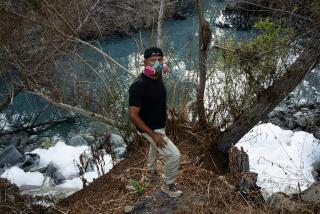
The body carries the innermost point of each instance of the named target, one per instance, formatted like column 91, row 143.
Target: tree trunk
column 204, row 44
column 160, row 22
column 269, row 98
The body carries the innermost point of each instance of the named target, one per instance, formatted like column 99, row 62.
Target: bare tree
column 270, row 97
column 160, row 22
column 204, row 44
column 258, row 76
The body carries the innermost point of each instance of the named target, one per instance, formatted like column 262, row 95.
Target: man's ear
column 145, row 61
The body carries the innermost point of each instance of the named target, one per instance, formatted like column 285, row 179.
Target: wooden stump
column 247, row 181
column 238, row 160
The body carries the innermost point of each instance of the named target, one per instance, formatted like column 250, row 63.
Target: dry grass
column 204, row 189
column 12, row 201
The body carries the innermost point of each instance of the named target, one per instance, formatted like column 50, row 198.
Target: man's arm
column 136, row 120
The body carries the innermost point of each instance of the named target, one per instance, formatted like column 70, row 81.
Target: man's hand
column 135, row 118
column 158, row 139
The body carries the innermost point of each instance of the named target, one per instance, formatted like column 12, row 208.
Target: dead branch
column 80, row 111
column 31, row 128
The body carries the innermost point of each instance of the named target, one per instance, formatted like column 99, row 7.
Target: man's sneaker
column 171, row 190
column 152, row 176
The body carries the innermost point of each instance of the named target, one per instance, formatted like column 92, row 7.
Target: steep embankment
column 205, row 189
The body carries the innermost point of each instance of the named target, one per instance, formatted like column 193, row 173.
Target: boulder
column 282, row 202
column 10, row 156
column 52, row 172
column 116, row 141
column 311, row 194
column 29, row 161
column 302, row 117
column 78, row 141
column 89, row 138
column 120, row 152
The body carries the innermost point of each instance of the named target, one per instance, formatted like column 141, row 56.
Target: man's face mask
column 156, row 70
column 158, row 67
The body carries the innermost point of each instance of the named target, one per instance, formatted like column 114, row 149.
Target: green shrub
column 139, row 187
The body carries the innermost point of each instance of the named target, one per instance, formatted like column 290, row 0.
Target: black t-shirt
column 150, row 95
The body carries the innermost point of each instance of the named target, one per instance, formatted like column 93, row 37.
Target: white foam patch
column 21, row 178
column 89, row 176
column 282, row 158
column 62, row 156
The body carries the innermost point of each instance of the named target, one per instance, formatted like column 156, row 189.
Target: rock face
column 120, row 17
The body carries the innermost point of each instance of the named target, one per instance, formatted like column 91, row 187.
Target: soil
column 204, row 191
column 207, row 189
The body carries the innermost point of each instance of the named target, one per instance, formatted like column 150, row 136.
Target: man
column 147, row 111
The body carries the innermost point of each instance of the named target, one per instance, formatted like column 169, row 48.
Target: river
column 180, row 44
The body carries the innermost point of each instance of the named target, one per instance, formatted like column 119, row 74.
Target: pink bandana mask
column 151, row 71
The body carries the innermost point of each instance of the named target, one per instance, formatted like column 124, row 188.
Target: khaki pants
column 170, row 153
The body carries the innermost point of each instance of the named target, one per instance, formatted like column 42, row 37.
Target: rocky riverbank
column 303, row 117
column 53, row 165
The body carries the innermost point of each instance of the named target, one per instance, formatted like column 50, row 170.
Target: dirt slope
column 204, row 190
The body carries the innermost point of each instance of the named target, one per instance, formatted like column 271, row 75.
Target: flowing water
column 180, row 42
column 180, row 45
